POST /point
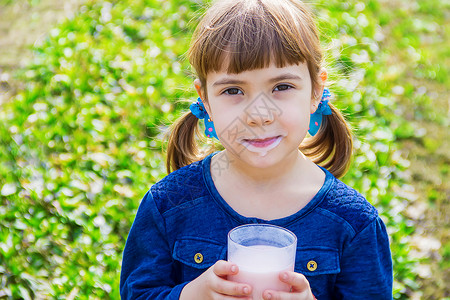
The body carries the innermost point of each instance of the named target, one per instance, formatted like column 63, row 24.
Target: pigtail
column 332, row 146
column 182, row 148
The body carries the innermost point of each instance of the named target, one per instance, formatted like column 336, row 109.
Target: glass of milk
column 261, row 251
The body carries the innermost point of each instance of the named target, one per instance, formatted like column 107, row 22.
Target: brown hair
column 250, row 34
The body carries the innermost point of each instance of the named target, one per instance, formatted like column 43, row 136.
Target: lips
column 261, row 143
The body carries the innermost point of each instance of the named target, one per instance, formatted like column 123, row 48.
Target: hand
column 300, row 288
column 212, row 284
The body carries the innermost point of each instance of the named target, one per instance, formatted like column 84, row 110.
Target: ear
column 199, row 89
column 316, row 95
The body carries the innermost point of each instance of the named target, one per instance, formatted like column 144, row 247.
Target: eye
column 283, row 87
column 232, row 91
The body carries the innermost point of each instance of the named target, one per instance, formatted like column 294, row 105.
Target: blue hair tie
column 198, row 110
column 323, row 109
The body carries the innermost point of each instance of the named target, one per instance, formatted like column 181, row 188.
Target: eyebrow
column 274, row 79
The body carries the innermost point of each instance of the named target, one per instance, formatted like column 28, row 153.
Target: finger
column 224, row 297
column 300, row 288
column 223, row 268
column 298, row 281
column 277, row 295
column 230, row 288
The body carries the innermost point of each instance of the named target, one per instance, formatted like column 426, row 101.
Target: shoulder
column 349, row 205
column 180, row 186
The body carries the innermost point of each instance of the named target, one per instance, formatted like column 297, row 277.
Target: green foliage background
column 81, row 143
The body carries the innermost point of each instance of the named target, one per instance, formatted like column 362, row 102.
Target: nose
column 258, row 119
column 260, row 112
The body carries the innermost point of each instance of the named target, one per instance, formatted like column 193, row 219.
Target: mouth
column 262, row 143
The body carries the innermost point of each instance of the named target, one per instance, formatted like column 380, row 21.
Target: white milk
column 262, row 150
column 260, row 266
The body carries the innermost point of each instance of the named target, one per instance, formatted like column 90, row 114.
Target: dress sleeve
column 366, row 266
column 147, row 271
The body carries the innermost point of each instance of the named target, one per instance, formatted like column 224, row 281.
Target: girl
column 261, row 89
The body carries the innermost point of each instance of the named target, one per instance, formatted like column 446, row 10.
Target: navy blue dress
column 184, row 215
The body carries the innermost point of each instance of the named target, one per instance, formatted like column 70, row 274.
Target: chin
column 262, row 160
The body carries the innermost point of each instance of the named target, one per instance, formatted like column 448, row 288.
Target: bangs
column 251, row 35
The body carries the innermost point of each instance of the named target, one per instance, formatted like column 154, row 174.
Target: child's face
column 271, row 103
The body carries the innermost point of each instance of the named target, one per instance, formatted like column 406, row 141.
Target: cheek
column 296, row 116
column 228, row 116
column 227, row 126
column 297, row 125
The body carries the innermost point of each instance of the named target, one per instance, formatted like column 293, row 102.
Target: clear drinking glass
column 261, row 251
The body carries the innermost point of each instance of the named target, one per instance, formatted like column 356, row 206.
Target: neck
column 290, row 168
